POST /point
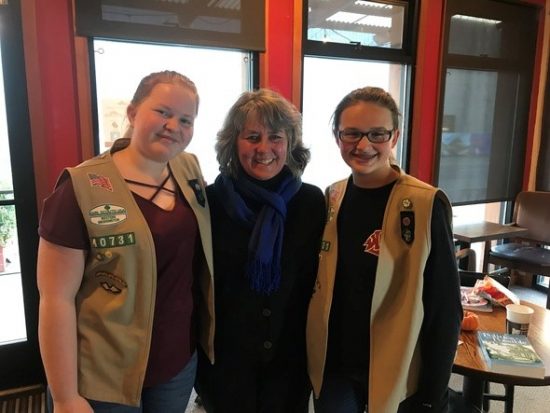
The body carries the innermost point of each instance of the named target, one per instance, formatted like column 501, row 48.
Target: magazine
column 510, row 354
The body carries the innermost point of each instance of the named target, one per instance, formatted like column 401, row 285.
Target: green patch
column 107, row 214
column 111, row 241
column 325, row 245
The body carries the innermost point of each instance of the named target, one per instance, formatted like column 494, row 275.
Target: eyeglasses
column 378, row 135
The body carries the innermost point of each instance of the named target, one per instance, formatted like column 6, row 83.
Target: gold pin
column 407, row 203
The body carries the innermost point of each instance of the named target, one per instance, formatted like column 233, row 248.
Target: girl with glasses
column 384, row 319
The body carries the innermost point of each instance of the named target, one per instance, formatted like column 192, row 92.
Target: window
column 220, row 37
column 321, row 97
column 21, row 364
column 487, row 70
column 365, row 23
column 347, row 45
column 119, row 66
column 12, row 314
column 214, row 23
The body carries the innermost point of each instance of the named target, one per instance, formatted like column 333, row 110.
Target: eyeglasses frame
column 366, row 134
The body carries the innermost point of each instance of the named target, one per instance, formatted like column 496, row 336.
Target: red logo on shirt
column 372, row 244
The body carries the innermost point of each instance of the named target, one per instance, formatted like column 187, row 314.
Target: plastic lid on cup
column 518, row 313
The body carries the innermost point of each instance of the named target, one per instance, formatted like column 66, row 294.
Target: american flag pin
column 100, row 181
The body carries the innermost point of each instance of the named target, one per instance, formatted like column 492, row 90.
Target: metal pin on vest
column 407, row 221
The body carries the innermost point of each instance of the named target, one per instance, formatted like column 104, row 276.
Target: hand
column 77, row 404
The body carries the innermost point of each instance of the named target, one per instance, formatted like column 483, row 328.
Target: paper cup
column 517, row 318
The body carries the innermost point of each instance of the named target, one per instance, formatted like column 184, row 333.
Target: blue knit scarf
column 263, row 267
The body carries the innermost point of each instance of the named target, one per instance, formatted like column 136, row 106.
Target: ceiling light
column 373, row 4
column 345, row 17
column 476, row 19
column 376, row 21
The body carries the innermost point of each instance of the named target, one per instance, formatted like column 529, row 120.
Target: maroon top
column 174, row 234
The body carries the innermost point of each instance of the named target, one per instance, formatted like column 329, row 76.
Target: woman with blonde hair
column 121, row 238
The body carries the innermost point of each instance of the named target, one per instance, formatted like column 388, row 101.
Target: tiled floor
column 529, row 294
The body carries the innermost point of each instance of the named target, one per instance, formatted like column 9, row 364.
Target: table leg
column 486, row 250
column 472, row 390
column 509, row 398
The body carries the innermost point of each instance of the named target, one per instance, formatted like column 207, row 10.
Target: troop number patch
column 116, row 240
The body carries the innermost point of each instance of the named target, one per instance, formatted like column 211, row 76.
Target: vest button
column 268, row 344
column 108, row 254
column 266, row 312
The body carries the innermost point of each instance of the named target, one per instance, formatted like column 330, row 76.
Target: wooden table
column 469, row 361
column 486, row 231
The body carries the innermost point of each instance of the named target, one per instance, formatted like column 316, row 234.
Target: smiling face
column 369, row 162
column 163, row 121
column 262, row 153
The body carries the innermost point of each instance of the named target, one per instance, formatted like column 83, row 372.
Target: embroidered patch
column 330, row 214
column 100, row 181
column 110, row 282
column 372, row 244
column 197, row 189
column 107, row 214
column 407, row 226
column 115, row 240
column 325, row 245
column 334, row 193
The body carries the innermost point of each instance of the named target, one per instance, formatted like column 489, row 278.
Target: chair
column 467, row 255
column 457, row 404
column 469, row 278
column 529, row 254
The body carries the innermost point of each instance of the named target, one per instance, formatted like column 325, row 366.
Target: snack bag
column 495, row 292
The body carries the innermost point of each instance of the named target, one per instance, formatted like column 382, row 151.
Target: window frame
column 23, row 365
column 405, row 56
column 480, row 63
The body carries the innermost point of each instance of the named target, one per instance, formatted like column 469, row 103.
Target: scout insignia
column 407, row 203
column 107, row 214
column 372, row 244
column 325, row 245
column 197, row 189
column 100, row 181
column 407, row 226
column 330, row 213
column 334, row 193
column 110, row 282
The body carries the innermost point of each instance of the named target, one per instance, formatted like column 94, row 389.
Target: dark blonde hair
column 368, row 94
column 277, row 114
column 147, row 84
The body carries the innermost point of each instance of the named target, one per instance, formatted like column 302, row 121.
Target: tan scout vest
column 397, row 311
column 116, row 300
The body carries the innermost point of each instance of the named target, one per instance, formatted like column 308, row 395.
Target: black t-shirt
column 359, row 224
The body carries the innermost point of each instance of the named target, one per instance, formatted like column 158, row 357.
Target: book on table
column 511, row 354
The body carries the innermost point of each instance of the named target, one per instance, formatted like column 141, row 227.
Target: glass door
column 18, row 214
